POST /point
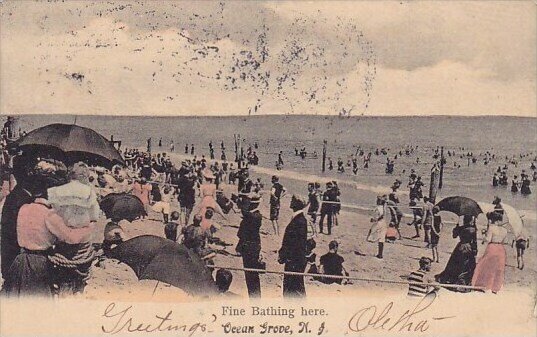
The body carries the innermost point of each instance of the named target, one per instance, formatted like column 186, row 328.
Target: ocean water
column 502, row 136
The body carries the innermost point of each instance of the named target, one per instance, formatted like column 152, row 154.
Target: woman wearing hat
column 208, row 195
column 490, row 270
column 461, row 265
column 39, row 229
column 380, row 219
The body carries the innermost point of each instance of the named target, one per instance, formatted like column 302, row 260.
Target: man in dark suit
column 293, row 250
column 249, row 245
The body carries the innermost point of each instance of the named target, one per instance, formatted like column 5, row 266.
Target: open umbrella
column 514, row 219
column 122, row 206
column 460, row 206
column 71, row 143
column 156, row 258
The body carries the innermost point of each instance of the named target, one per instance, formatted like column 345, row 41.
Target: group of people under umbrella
column 488, row 272
column 49, row 217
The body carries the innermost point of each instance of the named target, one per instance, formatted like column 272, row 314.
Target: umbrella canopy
column 71, row 143
column 122, row 206
column 460, row 206
column 515, row 220
column 156, row 258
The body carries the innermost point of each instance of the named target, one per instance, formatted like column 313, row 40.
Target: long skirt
column 29, row 275
column 490, row 270
column 460, row 267
column 377, row 232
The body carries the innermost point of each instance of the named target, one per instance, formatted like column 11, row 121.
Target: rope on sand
column 354, row 278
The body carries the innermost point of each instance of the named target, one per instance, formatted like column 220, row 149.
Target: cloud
column 206, row 57
column 450, row 88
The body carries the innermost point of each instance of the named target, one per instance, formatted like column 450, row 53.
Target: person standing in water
column 280, row 159
column 514, row 184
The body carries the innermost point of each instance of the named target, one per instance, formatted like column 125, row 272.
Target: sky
column 386, row 58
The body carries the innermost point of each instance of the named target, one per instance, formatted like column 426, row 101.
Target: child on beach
column 113, row 235
column 435, row 232
column 391, row 233
column 522, row 242
column 170, row 229
column 164, row 204
column 331, row 263
column 420, row 278
column 223, row 280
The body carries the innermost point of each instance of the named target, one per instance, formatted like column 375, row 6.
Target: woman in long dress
column 490, row 270
column 39, row 229
column 514, row 184
column 461, row 265
column 208, row 196
column 380, row 219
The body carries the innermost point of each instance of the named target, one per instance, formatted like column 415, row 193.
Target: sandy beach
column 117, row 281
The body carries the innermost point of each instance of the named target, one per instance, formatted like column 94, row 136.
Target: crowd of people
column 50, row 213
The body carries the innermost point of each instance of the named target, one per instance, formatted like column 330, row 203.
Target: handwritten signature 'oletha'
column 372, row 318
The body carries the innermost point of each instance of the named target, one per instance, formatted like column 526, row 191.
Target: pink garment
column 39, row 227
column 490, row 270
column 142, row 192
column 208, row 190
column 205, row 203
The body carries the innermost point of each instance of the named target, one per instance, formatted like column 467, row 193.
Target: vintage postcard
column 268, row 168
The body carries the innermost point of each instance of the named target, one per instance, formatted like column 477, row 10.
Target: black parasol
column 460, row 206
column 71, row 143
column 122, row 206
column 156, row 258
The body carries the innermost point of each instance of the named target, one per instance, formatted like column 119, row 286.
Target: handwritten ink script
column 411, row 320
column 273, row 320
column 121, row 320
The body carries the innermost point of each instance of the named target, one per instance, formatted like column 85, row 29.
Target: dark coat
column 249, row 228
column 293, row 254
column 294, row 241
column 9, row 245
column 249, row 247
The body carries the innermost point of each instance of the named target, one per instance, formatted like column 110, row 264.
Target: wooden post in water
column 324, row 155
column 433, row 184
column 236, row 148
column 441, row 177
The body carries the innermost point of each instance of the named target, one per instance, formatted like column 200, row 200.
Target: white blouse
column 496, row 234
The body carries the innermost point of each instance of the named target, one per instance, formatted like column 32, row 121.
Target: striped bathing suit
column 417, row 290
